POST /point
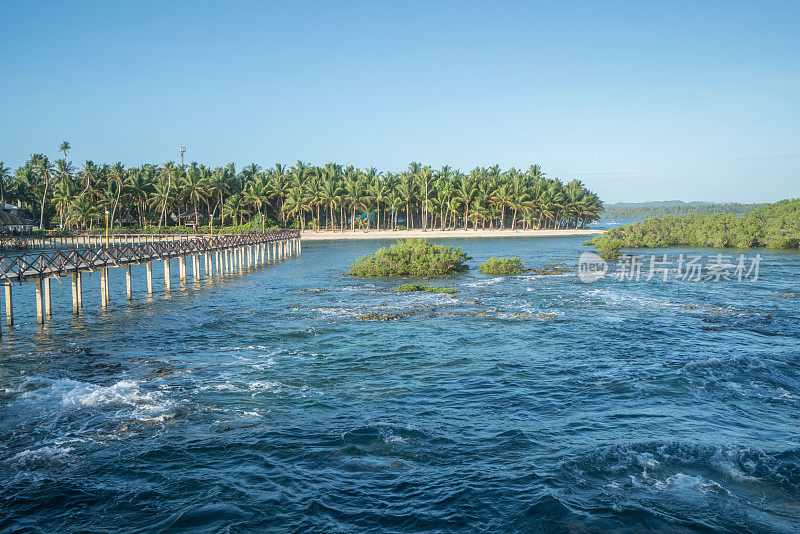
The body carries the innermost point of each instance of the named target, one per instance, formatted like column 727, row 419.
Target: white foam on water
column 681, row 482
column 225, row 386
column 125, row 397
column 43, row 453
column 485, row 282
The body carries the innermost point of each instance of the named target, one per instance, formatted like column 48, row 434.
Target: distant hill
column 662, row 208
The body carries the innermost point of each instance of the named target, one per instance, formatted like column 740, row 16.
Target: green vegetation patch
column 412, row 257
column 502, row 266
column 771, row 225
column 407, row 288
column 551, row 269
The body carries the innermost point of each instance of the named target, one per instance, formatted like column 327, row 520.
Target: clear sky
column 641, row 100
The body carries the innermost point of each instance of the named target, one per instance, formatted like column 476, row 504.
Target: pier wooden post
column 217, row 260
column 182, row 269
column 128, row 288
column 195, row 267
column 75, row 292
column 9, row 306
column 80, row 291
column 103, row 297
column 108, row 286
column 38, row 295
column 166, row 273
column 149, row 277
column 48, row 303
column 299, row 245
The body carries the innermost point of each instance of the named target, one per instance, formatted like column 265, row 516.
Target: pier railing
column 230, row 253
column 63, row 262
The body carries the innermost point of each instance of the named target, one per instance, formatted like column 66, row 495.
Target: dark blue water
column 266, row 402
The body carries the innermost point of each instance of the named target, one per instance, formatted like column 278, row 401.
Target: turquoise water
column 534, row 403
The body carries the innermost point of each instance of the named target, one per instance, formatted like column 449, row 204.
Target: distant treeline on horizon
column 674, row 208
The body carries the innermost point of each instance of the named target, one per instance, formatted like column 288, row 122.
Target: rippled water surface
column 293, row 398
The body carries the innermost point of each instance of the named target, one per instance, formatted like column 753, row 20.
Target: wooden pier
column 221, row 254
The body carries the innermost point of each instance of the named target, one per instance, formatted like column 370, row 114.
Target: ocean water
column 293, row 398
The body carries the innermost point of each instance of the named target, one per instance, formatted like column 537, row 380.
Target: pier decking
column 220, row 253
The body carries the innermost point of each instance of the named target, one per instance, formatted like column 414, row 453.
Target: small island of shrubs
column 412, row 257
column 408, row 288
column 509, row 266
column 502, row 266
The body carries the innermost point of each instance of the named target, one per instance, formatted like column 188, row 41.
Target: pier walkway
column 221, row 253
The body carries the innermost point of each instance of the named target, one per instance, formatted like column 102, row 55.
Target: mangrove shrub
column 502, row 266
column 412, row 257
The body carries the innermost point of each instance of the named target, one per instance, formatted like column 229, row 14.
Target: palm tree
column 82, row 211
column 297, row 204
column 64, row 194
column 193, row 187
column 120, row 176
column 233, row 208
column 356, row 193
column 331, row 192
column 169, row 171
column 64, row 147
column 160, row 198
column 44, row 173
column 406, row 189
column 380, row 190
column 424, row 175
column 139, row 184
column 279, row 188
column 256, row 194
column 5, row 175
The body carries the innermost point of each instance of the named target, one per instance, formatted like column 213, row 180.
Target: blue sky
column 640, row 100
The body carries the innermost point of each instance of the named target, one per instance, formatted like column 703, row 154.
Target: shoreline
column 327, row 235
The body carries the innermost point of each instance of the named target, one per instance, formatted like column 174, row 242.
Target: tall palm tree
column 119, row 175
column 44, row 173
column 168, row 172
column 407, row 190
column 64, row 147
column 5, row 176
column 331, row 192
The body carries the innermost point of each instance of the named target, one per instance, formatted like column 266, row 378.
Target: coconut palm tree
column 119, row 175
column 44, row 173
column 82, row 212
column 331, row 192
column 406, row 188
column 64, row 147
column 5, row 176
column 168, row 173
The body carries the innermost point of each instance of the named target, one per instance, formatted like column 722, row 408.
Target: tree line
column 304, row 196
column 774, row 225
column 647, row 209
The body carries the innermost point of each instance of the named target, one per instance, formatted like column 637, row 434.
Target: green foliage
column 502, row 266
column 771, row 225
column 622, row 210
column 407, row 288
column 412, row 257
column 332, row 196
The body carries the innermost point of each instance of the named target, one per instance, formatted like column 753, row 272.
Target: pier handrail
column 62, row 262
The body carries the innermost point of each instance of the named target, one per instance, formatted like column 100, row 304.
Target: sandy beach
column 322, row 235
